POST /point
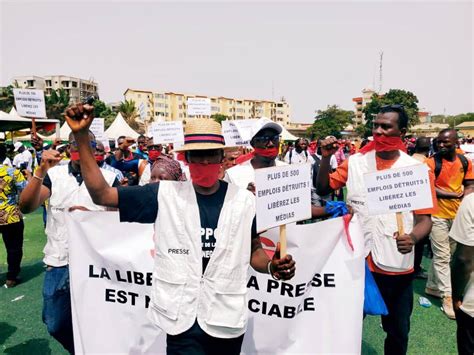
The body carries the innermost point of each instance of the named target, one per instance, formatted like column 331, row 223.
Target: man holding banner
column 389, row 253
column 63, row 186
column 204, row 241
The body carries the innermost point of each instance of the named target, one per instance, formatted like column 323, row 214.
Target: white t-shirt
column 298, row 158
column 23, row 157
column 462, row 232
column 243, row 174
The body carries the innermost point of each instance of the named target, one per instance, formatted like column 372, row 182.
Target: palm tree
column 129, row 113
column 56, row 103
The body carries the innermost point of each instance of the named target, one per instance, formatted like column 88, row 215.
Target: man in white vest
column 390, row 256
column 205, row 241
column 63, row 187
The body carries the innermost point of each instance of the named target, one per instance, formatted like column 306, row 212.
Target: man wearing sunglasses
column 63, row 186
column 265, row 142
column 390, row 256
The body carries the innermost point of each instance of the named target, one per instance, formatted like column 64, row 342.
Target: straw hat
column 202, row 133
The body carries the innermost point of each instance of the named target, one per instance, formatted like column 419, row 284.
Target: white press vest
column 378, row 230
column 65, row 193
column 181, row 293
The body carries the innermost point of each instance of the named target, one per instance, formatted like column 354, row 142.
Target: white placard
column 398, row 190
column 97, row 126
column 468, row 148
column 232, row 136
column 167, row 132
column 198, row 106
column 245, row 128
column 30, row 103
column 283, row 195
column 142, row 111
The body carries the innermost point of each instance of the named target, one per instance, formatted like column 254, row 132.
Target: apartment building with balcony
column 171, row 106
column 78, row 88
column 360, row 102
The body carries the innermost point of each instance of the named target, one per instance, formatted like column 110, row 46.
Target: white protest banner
column 398, row 190
column 30, row 103
column 198, row 106
column 283, row 195
column 111, row 272
column 167, row 132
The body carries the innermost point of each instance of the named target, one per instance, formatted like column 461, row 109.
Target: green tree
column 218, row 117
column 129, row 112
column 392, row 97
column 102, row 110
column 56, row 104
column 453, row 120
column 330, row 122
column 6, row 98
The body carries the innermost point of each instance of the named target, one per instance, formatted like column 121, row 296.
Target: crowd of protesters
column 133, row 175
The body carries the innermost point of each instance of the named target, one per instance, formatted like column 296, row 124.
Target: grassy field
column 22, row 331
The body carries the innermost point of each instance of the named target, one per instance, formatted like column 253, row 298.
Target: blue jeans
column 57, row 306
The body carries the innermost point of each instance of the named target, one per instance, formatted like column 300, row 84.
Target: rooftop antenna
column 380, row 72
column 273, row 90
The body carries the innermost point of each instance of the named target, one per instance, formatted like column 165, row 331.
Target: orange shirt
column 338, row 179
column 450, row 179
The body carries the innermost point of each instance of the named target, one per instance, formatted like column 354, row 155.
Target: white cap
column 17, row 146
column 263, row 123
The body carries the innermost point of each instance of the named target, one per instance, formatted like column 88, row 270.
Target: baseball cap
column 264, row 123
column 17, row 146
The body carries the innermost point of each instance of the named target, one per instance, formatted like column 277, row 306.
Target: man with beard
column 454, row 179
column 390, row 256
column 206, row 240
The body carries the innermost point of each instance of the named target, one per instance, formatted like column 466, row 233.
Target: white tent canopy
column 120, row 128
column 287, row 136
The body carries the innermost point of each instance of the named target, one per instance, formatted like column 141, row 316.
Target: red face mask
column 384, row 144
column 99, row 158
column 267, row 153
column 153, row 154
column 75, row 156
column 204, row 175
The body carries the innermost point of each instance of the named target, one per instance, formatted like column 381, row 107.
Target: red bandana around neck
column 383, row 143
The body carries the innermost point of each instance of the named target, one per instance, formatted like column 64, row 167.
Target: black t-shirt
column 140, row 204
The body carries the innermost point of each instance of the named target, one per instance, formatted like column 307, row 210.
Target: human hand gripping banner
column 318, row 311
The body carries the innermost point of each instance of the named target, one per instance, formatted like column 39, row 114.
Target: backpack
column 439, row 163
column 316, row 164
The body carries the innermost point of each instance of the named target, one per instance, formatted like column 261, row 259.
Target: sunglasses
column 266, row 139
column 154, row 147
column 395, row 107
